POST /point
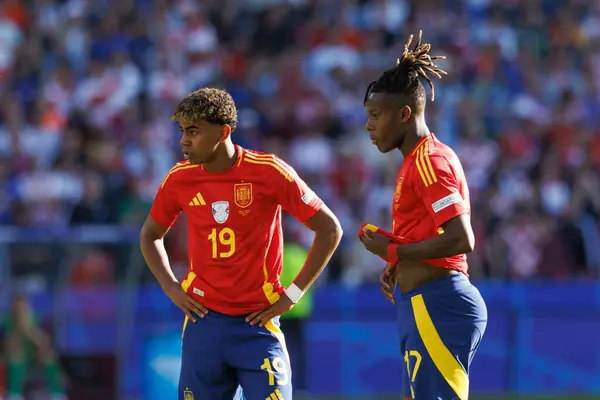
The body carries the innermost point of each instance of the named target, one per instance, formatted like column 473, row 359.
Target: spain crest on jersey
column 398, row 191
column 188, row 395
column 220, row 211
column 242, row 194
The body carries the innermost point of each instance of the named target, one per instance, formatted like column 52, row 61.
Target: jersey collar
column 240, row 155
column 429, row 141
column 238, row 160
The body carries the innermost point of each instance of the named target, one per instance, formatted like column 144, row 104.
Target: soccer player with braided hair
column 441, row 315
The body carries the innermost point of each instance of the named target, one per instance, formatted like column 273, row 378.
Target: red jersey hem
column 314, row 210
column 228, row 310
column 443, row 265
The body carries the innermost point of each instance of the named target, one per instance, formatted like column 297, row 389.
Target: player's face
column 200, row 140
column 387, row 122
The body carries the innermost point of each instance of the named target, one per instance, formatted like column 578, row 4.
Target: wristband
column 294, row 293
column 392, row 253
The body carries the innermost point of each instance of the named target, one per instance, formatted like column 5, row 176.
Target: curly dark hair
column 212, row 105
column 404, row 78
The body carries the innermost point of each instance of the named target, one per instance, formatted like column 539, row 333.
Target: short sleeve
column 441, row 189
column 165, row 208
column 294, row 195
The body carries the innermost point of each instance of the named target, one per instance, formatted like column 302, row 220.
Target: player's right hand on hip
column 387, row 280
column 185, row 302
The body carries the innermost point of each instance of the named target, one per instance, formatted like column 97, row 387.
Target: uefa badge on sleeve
column 220, row 211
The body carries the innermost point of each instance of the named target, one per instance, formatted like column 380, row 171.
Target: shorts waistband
column 452, row 282
column 215, row 314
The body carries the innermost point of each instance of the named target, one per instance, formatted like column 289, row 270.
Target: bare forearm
column 437, row 247
column 323, row 247
column 155, row 254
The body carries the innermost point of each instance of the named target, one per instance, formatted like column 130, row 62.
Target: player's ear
column 405, row 113
column 225, row 132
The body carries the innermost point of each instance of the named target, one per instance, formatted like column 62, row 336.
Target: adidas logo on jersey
column 198, row 200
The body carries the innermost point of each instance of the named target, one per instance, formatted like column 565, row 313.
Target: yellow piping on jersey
column 428, row 160
column 241, row 156
column 271, row 157
column 420, row 169
column 414, row 151
column 185, row 285
column 271, row 161
column 176, row 168
column 424, row 166
column 421, row 162
column 268, row 288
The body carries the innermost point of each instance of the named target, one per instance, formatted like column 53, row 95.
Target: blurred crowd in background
column 88, row 86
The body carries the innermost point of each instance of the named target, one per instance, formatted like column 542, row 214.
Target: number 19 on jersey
column 223, row 242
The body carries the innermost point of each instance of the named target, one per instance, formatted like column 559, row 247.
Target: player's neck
column 225, row 159
column 420, row 131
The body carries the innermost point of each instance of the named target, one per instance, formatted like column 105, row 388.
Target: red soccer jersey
column 431, row 189
column 234, row 227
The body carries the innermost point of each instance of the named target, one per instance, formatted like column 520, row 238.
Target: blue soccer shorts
column 441, row 325
column 220, row 352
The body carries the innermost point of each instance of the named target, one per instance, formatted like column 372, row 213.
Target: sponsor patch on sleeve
column 308, row 196
column 446, row 202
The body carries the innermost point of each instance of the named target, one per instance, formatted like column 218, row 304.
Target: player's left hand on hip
column 281, row 306
column 375, row 242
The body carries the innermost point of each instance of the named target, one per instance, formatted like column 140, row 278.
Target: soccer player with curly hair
column 232, row 298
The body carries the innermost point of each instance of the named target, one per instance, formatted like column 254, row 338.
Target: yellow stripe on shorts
column 444, row 361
